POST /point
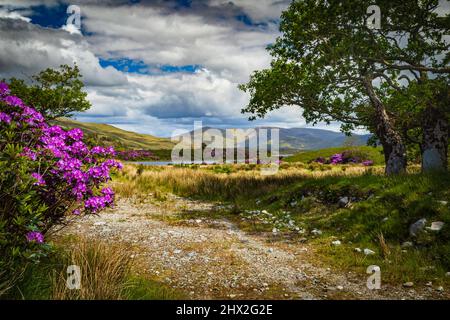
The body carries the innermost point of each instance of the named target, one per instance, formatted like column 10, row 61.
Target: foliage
column 362, row 152
column 53, row 93
column 107, row 273
column 45, row 172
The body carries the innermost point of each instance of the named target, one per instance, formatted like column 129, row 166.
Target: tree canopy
column 53, row 92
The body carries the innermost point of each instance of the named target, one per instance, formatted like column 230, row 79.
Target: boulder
column 417, row 227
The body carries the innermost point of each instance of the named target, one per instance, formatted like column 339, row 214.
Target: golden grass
column 104, row 270
column 205, row 182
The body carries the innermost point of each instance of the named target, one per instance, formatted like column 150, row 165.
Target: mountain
column 305, row 138
column 312, row 139
column 291, row 140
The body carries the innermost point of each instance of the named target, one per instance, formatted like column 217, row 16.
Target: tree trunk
column 435, row 140
column 393, row 147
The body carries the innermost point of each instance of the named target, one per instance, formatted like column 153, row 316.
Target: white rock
column 270, row 250
column 336, row 243
column 176, row 251
column 316, row 232
column 417, row 226
column 444, row 203
column 100, row 223
column 368, row 252
column 408, row 284
column 436, row 226
column 274, row 230
column 407, row 244
column 340, row 287
column 343, row 202
column 440, row 288
column 198, row 221
column 447, row 274
column 358, row 250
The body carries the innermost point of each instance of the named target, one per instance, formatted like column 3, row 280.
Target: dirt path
column 212, row 259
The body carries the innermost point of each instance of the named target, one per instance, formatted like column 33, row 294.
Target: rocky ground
column 212, row 259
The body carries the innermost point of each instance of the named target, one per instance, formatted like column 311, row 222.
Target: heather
column 46, row 173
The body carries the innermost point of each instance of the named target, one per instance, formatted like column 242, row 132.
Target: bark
column 434, row 146
column 393, row 147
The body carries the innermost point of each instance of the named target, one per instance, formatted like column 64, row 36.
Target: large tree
column 332, row 64
column 53, row 92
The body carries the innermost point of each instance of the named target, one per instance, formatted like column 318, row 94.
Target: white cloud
column 208, row 35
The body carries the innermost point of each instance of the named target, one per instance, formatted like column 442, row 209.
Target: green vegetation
column 53, row 92
column 356, row 74
column 377, row 216
column 374, row 154
column 107, row 274
column 121, row 139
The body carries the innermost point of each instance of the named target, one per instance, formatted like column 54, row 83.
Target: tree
column 332, row 64
column 54, row 93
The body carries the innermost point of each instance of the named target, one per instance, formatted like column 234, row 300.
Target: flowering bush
column 129, row 155
column 348, row 156
column 45, row 173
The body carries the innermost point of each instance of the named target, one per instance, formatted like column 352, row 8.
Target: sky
column 151, row 66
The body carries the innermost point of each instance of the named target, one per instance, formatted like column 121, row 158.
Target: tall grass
column 107, row 272
column 209, row 183
column 104, row 270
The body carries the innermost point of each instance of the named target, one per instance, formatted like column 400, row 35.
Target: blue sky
column 151, row 66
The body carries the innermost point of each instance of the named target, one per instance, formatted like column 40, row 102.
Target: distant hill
column 121, row 139
column 295, row 139
column 291, row 140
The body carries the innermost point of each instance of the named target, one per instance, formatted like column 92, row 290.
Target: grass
column 106, row 274
column 369, row 153
column 378, row 216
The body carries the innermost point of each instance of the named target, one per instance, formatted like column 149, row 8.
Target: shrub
column 45, row 172
column 346, row 157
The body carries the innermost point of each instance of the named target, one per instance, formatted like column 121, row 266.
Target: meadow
column 339, row 211
column 359, row 206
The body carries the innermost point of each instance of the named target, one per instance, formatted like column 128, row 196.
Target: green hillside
column 371, row 153
column 105, row 134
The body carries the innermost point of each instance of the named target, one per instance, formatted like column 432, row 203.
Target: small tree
column 53, row 93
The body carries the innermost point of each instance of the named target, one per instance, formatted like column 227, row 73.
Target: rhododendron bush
column 45, row 173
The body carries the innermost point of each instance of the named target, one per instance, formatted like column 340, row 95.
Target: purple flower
column 39, row 180
column 27, row 152
column 320, row 160
column 13, row 101
column 34, row 236
column 336, row 158
column 4, row 89
column 95, row 204
column 75, row 134
column 367, row 163
column 5, row 118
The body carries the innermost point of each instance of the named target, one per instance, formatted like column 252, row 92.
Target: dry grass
column 206, row 182
column 104, row 270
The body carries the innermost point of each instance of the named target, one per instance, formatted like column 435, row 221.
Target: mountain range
column 290, row 138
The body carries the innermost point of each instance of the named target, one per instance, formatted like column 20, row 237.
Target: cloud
column 28, row 49
column 224, row 40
